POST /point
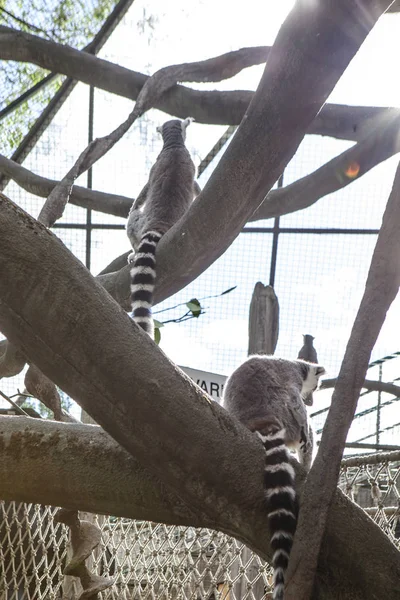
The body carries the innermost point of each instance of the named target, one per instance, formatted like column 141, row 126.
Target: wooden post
column 263, row 337
column 263, row 320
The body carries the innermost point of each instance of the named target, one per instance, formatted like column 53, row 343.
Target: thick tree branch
column 380, row 143
column 80, row 467
column 94, row 467
column 12, row 361
column 381, row 289
column 41, row 186
column 213, row 107
column 291, row 89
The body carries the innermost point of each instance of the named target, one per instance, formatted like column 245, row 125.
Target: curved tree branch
column 368, row 384
column 381, row 288
column 41, row 186
column 212, row 107
column 381, row 142
column 86, row 476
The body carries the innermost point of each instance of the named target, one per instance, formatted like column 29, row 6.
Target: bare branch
column 232, row 195
column 381, row 142
column 116, row 264
column 153, row 89
column 381, row 289
column 85, row 458
column 39, row 386
column 368, row 384
column 213, row 107
column 41, row 186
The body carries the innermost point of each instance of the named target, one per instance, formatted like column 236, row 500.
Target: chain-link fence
column 154, row 561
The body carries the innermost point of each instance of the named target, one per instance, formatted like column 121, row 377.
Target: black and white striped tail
column 143, row 277
column 281, row 504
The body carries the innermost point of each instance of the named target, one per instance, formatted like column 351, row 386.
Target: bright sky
column 320, row 278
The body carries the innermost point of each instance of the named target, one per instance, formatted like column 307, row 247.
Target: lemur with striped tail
column 163, row 201
column 266, row 394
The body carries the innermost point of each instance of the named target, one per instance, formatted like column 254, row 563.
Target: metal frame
column 44, row 120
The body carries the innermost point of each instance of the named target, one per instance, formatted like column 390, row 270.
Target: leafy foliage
column 72, row 22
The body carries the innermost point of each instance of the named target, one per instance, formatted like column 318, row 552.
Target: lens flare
column 352, row 170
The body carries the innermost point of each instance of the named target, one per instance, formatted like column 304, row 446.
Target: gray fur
column 170, row 189
column 266, row 394
column 164, row 199
column 308, row 353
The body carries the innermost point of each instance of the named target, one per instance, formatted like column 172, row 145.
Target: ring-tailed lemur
column 308, row 352
column 266, row 395
column 162, row 202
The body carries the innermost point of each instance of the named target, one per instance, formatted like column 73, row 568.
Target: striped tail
column 281, row 504
column 143, row 278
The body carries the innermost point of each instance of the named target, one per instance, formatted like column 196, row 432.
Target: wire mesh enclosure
column 316, row 259
column 150, row 561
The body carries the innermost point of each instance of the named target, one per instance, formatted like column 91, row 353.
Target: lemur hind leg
column 306, row 446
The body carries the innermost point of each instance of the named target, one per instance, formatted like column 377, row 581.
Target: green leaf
column 194, row 306
column 230, row 290
column 157, row 335
column 158, row 324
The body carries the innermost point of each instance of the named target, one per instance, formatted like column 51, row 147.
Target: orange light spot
column 352, row 170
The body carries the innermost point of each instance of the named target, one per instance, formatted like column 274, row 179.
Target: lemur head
column 310, row 374
column 308, row 338
column 175, row 125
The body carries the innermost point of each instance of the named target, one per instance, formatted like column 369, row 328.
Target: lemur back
column 162, row 202
column 265, row 394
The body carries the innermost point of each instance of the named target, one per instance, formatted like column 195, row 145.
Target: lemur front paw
column 131, row 258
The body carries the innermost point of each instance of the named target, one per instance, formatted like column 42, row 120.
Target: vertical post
column 89, row 180
column 378, row 409
column 263, row 320
column 263, row 337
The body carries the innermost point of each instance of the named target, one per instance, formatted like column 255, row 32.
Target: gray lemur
column 266, row 394
column 308, row 352
column 163, row 201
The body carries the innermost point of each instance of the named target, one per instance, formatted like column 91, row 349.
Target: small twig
column 17, row 408
column 368, row 384
column 26, row 24
column 200, row 300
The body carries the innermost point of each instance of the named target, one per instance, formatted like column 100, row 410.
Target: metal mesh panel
column 155, row 561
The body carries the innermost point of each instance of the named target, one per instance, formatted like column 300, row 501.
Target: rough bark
column 81, row 467
column 213, row 107
column 12, row 361
column 263, row 320
column 381, row 288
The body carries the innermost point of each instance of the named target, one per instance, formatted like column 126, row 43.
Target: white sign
column 211, row 383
